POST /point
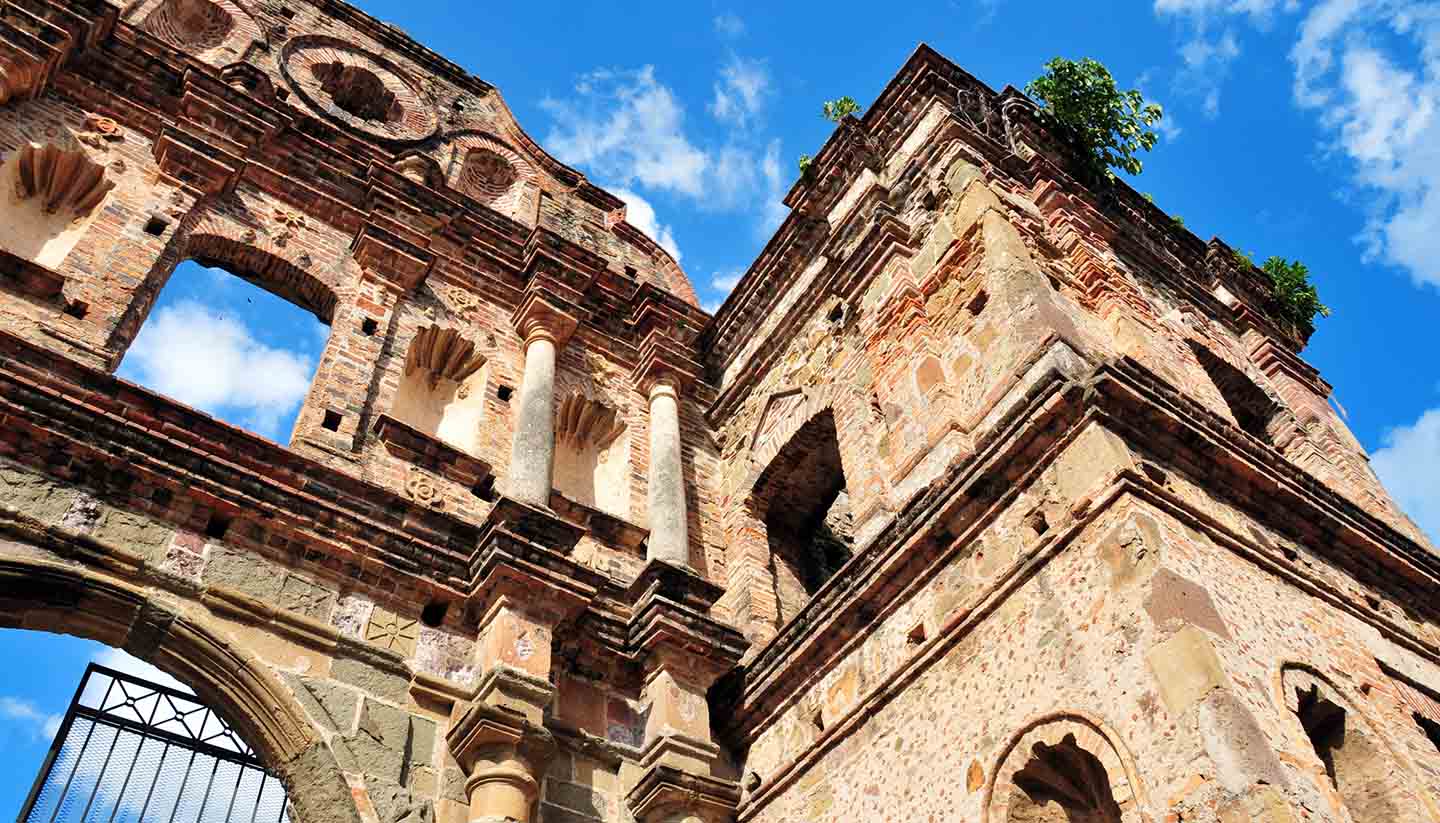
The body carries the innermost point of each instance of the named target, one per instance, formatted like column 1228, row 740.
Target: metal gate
column 130, row 750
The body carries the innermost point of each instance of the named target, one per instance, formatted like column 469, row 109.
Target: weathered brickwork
column 988, row 495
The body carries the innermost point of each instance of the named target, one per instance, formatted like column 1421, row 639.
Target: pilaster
column 683, row 652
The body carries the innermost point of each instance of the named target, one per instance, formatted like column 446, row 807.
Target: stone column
column 669, row 536
column 546, row 325
column 532, row 454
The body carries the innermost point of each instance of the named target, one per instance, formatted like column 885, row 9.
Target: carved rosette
column 357, row 89
column 422, row 488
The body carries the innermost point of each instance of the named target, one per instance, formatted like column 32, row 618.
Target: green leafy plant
column 835, row 110
column 804, row 164
column 1178, row 221
column 1107, row 127
column 1295, row 297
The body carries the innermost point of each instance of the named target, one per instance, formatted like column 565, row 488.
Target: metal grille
column 130, row 750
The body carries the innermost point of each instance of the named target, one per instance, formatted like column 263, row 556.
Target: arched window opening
column 442, row 390
column 1062, row 783
column 107, row 736
column 592, row 454
column 1256, row 412
column 808, row 520
column 48, row 197
column 219, row 343
column 1354, row 763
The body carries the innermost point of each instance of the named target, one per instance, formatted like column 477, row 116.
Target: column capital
column 503, row 755
column 523, row 556
column 664, row 361
column 540, row 317
column 664, row 790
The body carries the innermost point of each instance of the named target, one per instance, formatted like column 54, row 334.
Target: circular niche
column 487, row 175
column 357, row 89
column 199, row 25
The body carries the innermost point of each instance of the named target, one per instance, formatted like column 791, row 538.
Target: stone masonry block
column 329, row 703
column 134, row 533
column 33, row 495
column 1186, row 668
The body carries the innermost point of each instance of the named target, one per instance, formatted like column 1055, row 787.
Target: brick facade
column 994, row 497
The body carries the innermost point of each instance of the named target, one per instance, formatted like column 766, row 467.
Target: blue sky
column 1303, row 130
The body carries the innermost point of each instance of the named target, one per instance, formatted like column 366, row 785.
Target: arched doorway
column 131, row 746
column 259, row 717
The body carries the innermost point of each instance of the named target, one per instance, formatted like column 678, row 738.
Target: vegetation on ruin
column 835, row 110
column 1082, row 106
column 1294, row 297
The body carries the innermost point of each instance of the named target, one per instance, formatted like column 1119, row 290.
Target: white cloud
column 725, row 281
column 640, row 214
column 774, row 210
column 1207, row 63
column 198, row 357
column 630, row 128
column 729, row 25
column 42, row 725
column 1371, row 73
column 741, row 90
column 1261, row 9
column 1409, row 466
column 627, row 126
column 123, row 661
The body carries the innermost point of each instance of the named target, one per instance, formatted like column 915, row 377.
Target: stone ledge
column 30, row 279
column 414, row 446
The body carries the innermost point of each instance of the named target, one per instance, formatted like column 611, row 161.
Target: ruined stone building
column 987, row 496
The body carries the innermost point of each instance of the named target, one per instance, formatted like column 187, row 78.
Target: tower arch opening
column 803, row 500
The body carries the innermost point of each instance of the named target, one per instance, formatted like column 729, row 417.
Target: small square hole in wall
column 434, row 613
column 287, row 12
column 818, row 721
column 156, row 225
column 331, row 421
column 217, row 525
column 916, row 635
column 77, row 309
column 369, row 326
column 485, row 490
column 504, row 393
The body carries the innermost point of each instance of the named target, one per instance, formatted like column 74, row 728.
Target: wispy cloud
column 627, row 126
column 195, row 355
column 41, row 725
column 641, row 215
column 725, row 281
column 729, row 25
column 1409, row 466
column 740, row 91
column 1369, row 70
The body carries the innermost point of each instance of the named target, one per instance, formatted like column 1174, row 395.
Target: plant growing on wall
column 1295, row 297
column 1082, row 106
column 835, row 110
